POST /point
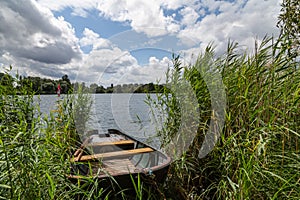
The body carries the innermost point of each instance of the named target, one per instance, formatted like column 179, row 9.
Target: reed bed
column 257, row 153
column 35, row 149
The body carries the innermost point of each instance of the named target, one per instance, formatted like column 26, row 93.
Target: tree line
column 49, row 86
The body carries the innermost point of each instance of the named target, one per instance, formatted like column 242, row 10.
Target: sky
column 124, row 41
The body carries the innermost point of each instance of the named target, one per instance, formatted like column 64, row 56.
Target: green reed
column 35, row 149
column 34, row 157
column 257, row 154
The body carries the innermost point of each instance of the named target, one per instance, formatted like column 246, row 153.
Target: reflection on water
column 126, row 112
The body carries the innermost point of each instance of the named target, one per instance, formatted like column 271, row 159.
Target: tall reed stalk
column 34, row 157
column 257, row 154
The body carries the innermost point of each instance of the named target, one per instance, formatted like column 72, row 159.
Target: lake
column 126, row 112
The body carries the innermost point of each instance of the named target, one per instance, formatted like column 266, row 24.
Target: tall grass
column 34, row 158
column 257, row 154
column 35, row 150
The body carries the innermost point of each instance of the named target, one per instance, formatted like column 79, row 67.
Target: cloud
column 79, row 7
column 107, row 63
column 32, row 37
column 90, row 38
column 154, row 71
column 142, row 16
column 36, row 43
column 59, row 53
column 25, row 67
column 102, row 61
column 193, row 22
column 200, row 21
column 31, row 32
column 190, row 16
column 241, row 21
column 113, row 65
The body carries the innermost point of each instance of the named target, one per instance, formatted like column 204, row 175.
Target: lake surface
column 126, row 112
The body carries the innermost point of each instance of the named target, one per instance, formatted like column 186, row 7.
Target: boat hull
column 114, row 160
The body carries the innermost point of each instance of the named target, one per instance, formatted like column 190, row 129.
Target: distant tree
column 139, row 89
column 100, row 89
column 48, row 88
column 64, row 87
column 67, row 82
column 151, row 87
column 118, row 89
column 289, row 23
column 66, row 78
column 36, row 84
column 93, row 88
column 110, row 89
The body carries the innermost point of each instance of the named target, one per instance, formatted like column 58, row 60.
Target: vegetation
column 125, row 88
column 48, row 86
column 255, row 154
column 35, row 150
column 289, row 24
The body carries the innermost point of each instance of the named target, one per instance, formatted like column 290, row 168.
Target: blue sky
column 126, row 41
column 105, row 27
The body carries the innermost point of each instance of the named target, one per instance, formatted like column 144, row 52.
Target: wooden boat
column 115, row 154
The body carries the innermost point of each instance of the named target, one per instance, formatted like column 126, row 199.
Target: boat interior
column 115, row 154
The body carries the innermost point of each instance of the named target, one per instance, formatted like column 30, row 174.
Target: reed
column 34, row 157
column 257, row 154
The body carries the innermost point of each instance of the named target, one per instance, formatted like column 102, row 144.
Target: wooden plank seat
column 80, row 150
column 116, row 143
column 114, row 154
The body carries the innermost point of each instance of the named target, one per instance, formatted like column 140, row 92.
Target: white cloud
column 89, row 37
column 143, row 16
column 36, row 43
column 93, row 39
column 239, row 21
column 152, row 72
column 115, row 66
column 79, row 7
column 149, row 16
column 175, row 4
column 103, row 61
column 31, row 32
column 190, row 16
column 219, row 20
column 31, row 37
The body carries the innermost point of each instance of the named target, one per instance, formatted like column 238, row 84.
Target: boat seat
column 101, row 144
column 114, row 154
column 116, row 143
column 80, row 149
